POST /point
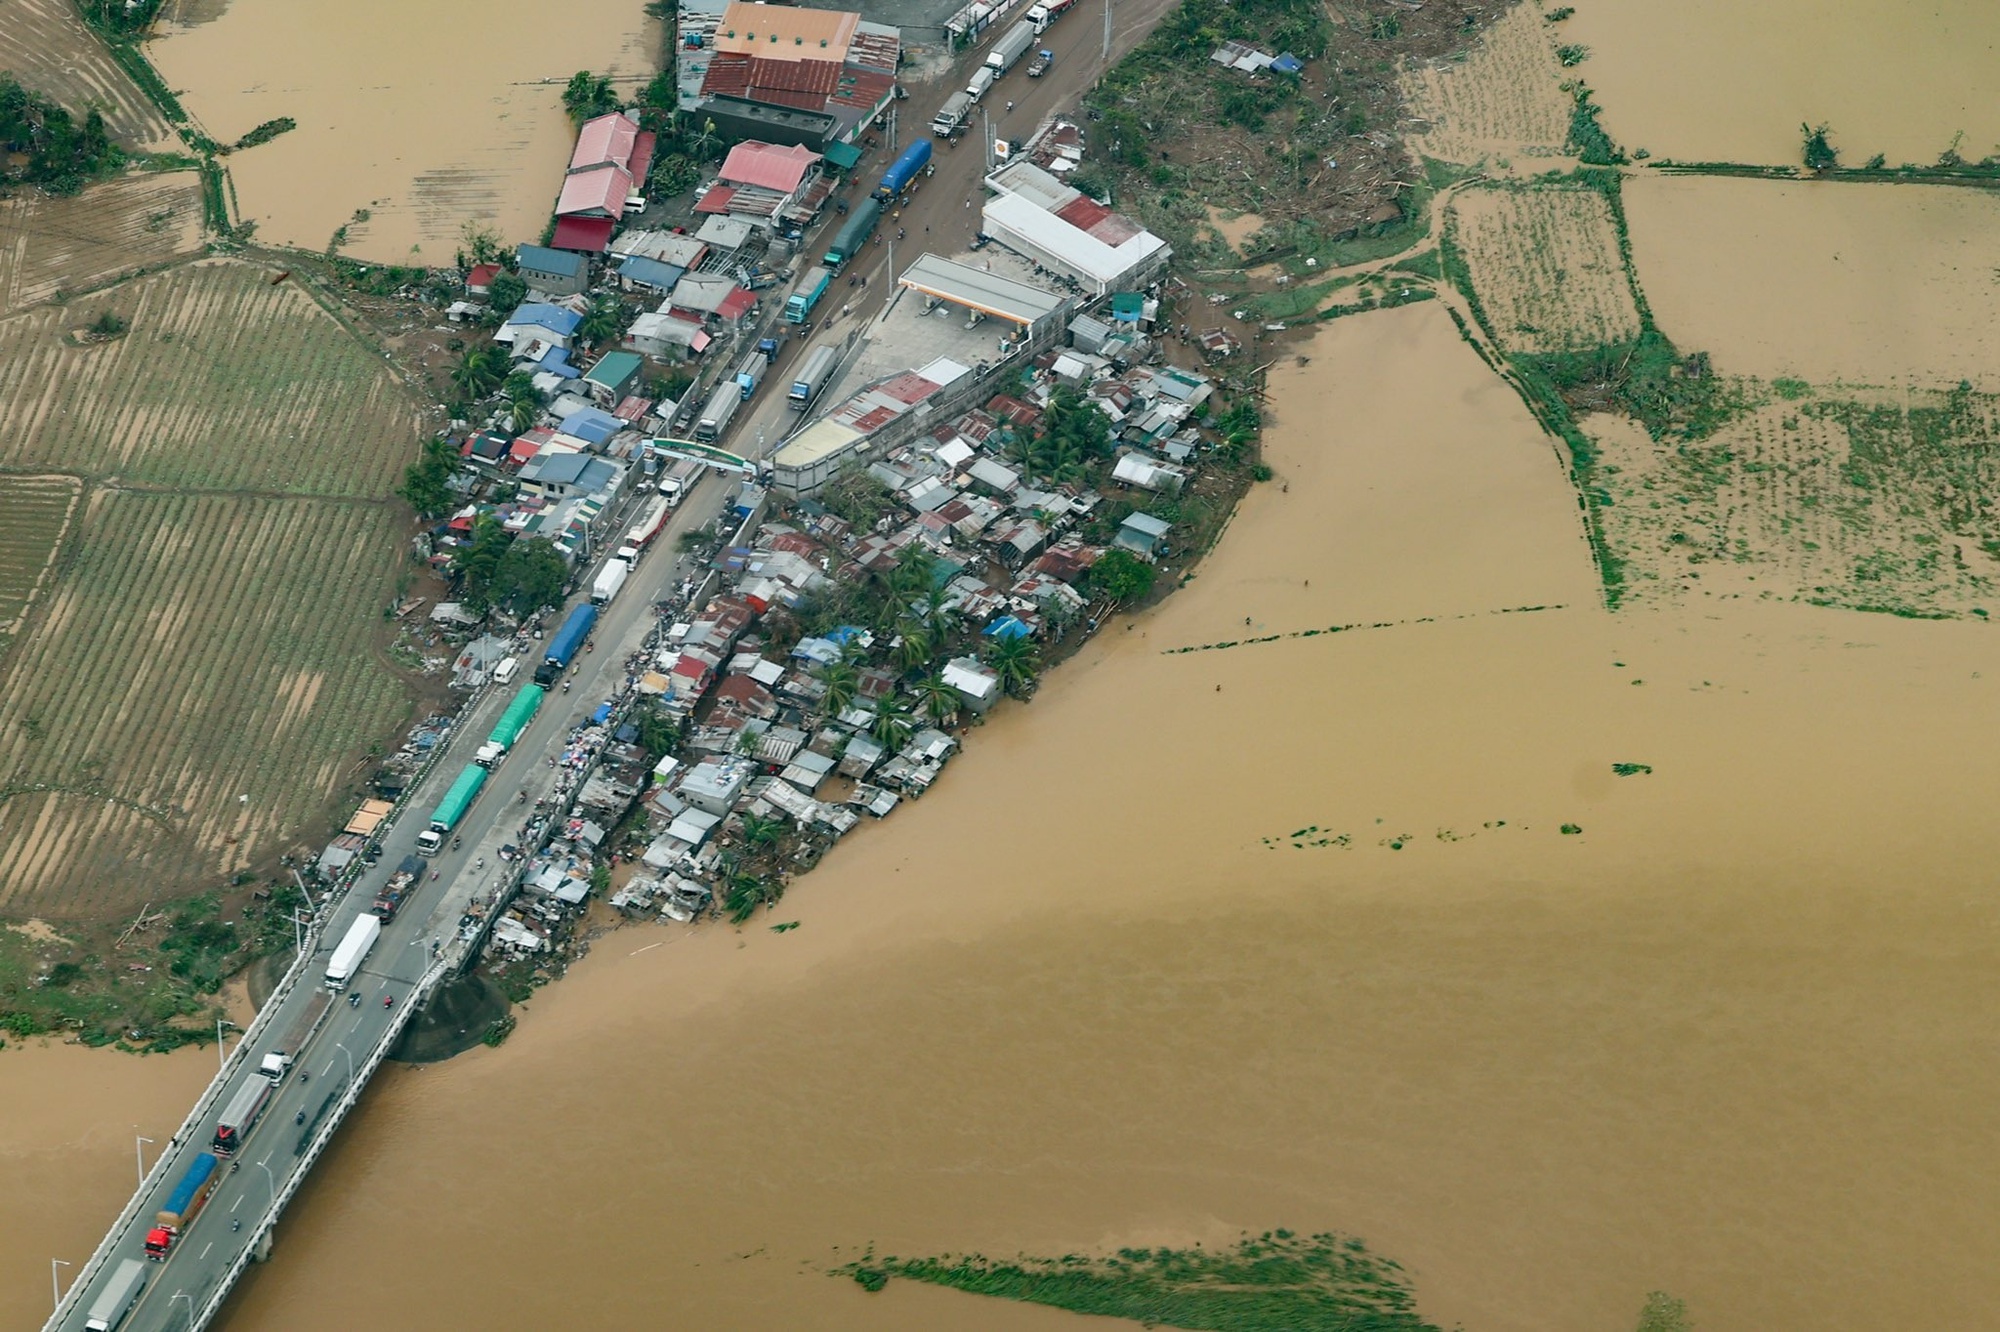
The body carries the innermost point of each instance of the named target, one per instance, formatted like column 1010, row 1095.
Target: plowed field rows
column 1504, row 100
column 198, row 648
column 1545, row 263
column 49, row 244
column 38, row 509
column 49, row 50
column 223, row 382
column 1881, row 504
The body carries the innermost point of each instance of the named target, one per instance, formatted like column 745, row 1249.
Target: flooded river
column 425, row 116
column 1287, row 934
column 1712, row 80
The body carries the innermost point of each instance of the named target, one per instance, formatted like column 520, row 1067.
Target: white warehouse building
column 1063, row 229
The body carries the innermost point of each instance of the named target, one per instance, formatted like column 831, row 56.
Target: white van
column 505, row 670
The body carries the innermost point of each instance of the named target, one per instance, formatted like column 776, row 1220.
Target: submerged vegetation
column 46, row 145
column 1277, row 1280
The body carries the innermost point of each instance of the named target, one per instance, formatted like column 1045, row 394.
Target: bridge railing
column 328, row 1126
column 196, row 1118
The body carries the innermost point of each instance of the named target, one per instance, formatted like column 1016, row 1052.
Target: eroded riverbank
column 1705, row 1045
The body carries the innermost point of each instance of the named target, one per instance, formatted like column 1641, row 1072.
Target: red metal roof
column 909, row 388
column 642, row 159
column 586, row 235
column 606, row 139
column 737, row 304
column 1083, row 212
column 768, row 166
column 815, row 76
column 481, row 276
column 728, row 75
column 598, row 191
column 716, row 200
column 862, row 89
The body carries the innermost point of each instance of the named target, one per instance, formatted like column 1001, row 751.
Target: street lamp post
column 221, row 1054
column 55, row 1282
column 139, row 1157
column 350, row 1061
column 183, row 1295
column 266, row 1168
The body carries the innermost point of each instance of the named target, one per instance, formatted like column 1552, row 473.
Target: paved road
column 351, row 1033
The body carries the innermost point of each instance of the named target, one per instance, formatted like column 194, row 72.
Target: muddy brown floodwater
column 427, row 116
column 1288, row 934
column 1714, row 80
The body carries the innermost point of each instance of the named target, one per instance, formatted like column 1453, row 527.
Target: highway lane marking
column 204, row 1250
column 238, row 1203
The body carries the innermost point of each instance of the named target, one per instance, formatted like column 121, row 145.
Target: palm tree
column 940, row 701
column 761, row 832
column 474, row 375
column 521, row 413
column 842, row 682
column 916, row 573
column 892, row 724
column 600, row 321
column 744, row 894
column 913, row 646
column 1014, row 659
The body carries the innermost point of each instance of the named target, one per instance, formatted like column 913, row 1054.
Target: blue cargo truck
column 569, row 641
column 812, row 286
column 904, row 170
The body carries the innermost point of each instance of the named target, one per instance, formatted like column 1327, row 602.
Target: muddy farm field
column 47, row 47
column 38, row 513
column 1546, row 264
column 51, row 246
column 225, row 380
column 1501, row 102
column 206, row 636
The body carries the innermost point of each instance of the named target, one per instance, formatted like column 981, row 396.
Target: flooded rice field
column 1290, row 934
column 1827, row 282
column 1378, row 881
column 1715, row 81
column 423, row 118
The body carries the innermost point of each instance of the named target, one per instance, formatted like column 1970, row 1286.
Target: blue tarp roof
column 543, row 315
column 544, row 260
column 592, row 425
column 845, row 634
column 652, row 272
column 1288, row 64
column 603, row 714
column 1008, row 626
column 556, row 361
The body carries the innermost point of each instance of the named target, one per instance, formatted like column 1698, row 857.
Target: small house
column 614, row 376
column 974, row 681
column 1143, row 534
column 553, row 272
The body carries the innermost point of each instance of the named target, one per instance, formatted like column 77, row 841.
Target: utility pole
column 892, row 129
column 1107, row 34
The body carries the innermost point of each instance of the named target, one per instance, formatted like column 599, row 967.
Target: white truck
column 353, row 950
column 982, row 79
column 680, row 480
column 1009, row 49
column 120, row 1294
column 950, row 118
column 610, row 579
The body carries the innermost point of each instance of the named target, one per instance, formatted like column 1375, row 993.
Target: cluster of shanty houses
column 1008, row 555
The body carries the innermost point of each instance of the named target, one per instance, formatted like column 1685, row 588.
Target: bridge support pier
column 261, row 1250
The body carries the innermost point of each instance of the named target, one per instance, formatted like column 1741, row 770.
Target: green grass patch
column 1277, row 1280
